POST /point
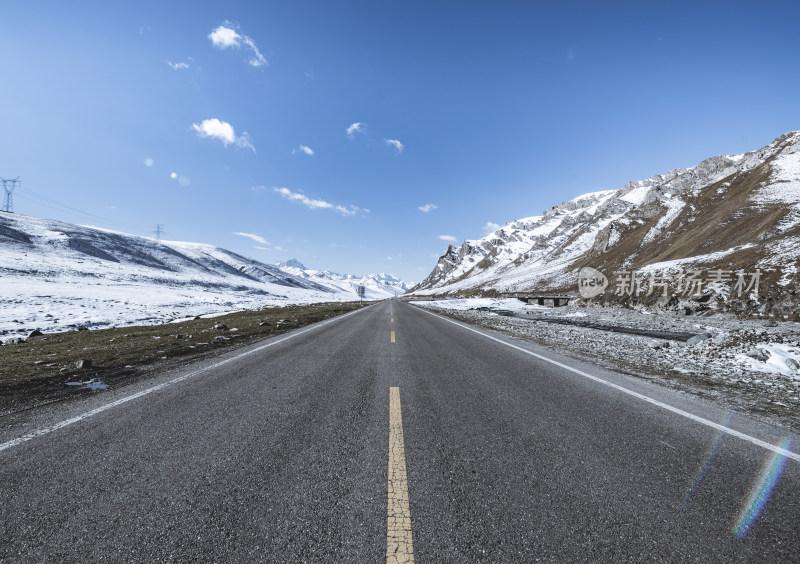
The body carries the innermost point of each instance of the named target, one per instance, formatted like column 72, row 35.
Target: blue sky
column 203, row 116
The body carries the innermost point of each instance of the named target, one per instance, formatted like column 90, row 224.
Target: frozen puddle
column 95, row 384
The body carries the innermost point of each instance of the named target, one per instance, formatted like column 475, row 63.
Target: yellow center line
column 392, row 338
column 392, row 319
column 399, row 542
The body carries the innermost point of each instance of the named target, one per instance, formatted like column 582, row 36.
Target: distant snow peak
column 378, row 286
column 291, row 263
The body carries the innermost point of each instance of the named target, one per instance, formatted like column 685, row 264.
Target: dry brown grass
column 38, row 370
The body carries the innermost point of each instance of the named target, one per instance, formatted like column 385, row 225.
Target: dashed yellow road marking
column 399, row 541
column 391, row 339
column 392, row 319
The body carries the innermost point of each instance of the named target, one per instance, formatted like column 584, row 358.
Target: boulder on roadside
column 759, row 354
column 698, row 338
column 83, row 363
column 35, row 333
column 220, row 327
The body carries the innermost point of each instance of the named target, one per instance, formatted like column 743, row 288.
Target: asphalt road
column 294, row 452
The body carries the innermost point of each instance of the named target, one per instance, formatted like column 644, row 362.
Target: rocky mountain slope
column 723, row 235
column 55, row 275
column 377, row 286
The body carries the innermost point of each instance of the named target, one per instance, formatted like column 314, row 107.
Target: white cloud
column 178, row 66
column 303, row 149
column 254, row 237
column 223, row 131
column 490, row 227
column 389, row 258
column 396, row 144
column 426, row 208
column 226, row 36
column 244, row 142
column 356, row 127
column 449, row 238
column 318, row 204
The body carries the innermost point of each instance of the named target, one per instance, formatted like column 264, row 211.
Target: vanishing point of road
column 395, row 435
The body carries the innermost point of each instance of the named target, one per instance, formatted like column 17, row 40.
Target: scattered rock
column 698, row 338
column 793, row 364
column 721, row 339
column 657, row 345
column 82, row 328
column 220, row 327
column 759, row 354
column 83, row 364
column 35, row 333
column 219, row 339
column 263, row 323
column 769, row 323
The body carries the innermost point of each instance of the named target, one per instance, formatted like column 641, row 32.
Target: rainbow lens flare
column 761, row 490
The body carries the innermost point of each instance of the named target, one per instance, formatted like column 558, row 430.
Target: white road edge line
column 648, row 399
column 126, row 399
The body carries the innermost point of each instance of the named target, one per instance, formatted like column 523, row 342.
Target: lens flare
column 701, row 473
column 149, row 162
column 173, row 175
column 761, row 490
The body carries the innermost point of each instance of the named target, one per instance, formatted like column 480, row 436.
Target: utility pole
column 158, row 232
column 9, row 185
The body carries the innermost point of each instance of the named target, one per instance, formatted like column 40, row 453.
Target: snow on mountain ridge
column 56, row 275
column 377, row 286
column 724, row 202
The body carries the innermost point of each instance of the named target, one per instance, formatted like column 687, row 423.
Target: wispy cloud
column 254, row 237
column 356, row 127
column 223, row 131
column 396, row 144
column 449, row 238
column 318, row 204
column 490, row 227
column 178, row 66
column 226, row 36
column 303, row 149
column 427, row 207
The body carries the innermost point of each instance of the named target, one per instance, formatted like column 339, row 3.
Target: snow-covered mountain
column 730, row 214
column 55, row 274
column 377, row 286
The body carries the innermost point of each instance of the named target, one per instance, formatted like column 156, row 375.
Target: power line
column 50, row 203
column 9, row 185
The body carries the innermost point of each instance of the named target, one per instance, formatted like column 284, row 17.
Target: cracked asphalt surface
column 282, row 456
